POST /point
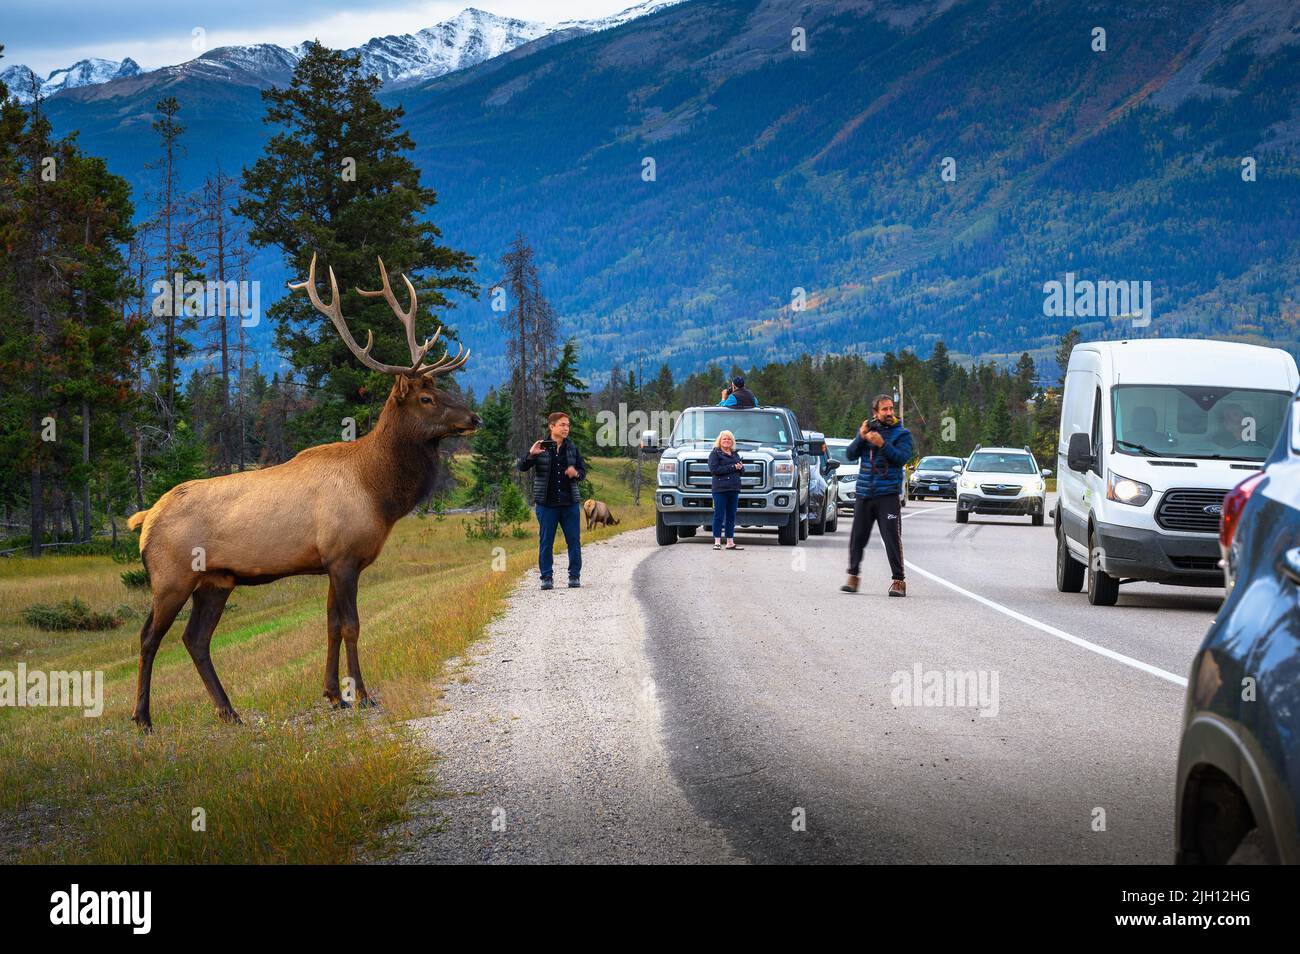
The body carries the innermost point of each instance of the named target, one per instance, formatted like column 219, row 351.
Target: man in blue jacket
column 882, row 447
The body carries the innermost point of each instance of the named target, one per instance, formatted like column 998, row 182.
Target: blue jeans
column 725, row 503
column 569, row 520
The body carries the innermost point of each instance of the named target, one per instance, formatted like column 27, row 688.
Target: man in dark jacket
column 738, row 395
column 882, row 447
column 557, row 470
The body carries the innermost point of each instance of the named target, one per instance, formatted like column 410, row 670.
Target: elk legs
column 205, row 613
column 166, row 605
column 345, row 628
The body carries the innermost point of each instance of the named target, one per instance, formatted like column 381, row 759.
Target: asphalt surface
column 787, row 728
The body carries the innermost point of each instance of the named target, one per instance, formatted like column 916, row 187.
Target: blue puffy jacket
column 880, row 471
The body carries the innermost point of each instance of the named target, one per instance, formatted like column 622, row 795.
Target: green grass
column 296, row 782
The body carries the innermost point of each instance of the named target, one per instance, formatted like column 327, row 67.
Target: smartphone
column 548, row 445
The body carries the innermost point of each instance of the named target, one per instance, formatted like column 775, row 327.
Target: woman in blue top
column 726, row 467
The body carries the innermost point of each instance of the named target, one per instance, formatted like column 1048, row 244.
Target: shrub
column 136, row 579
column 71, row 614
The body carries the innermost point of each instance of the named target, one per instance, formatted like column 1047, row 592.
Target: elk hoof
column 367, row 703
column 229, row 716
column 339, row 703
column 143, row 722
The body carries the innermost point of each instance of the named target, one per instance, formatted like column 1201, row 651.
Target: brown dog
column 598, row 513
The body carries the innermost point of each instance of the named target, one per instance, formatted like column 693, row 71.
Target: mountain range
column 469, row 38
column 746, row 180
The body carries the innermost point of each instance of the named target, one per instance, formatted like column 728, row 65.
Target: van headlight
column 668, row 472
column 783, row 473
column 1125, row 490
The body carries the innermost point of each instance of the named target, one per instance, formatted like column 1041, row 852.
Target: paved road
column 776, row 693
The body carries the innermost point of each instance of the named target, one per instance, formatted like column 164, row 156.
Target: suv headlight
column 783, row 473
column 668, row 472
column 1126, row 491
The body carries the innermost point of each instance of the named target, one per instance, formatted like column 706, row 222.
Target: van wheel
column 685, row 533
column 664, row 534
column 963, row 515
column 1103, row 589
column 788, row 535
column 1069, row 571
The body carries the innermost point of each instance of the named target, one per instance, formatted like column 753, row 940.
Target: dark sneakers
column 574, row 584
column 547, row 584
column 898, row 588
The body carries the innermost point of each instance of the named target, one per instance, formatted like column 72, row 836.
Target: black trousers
column 883, row 511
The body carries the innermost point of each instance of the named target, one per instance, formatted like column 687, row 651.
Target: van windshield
column 704, row 424
column 1166, row 420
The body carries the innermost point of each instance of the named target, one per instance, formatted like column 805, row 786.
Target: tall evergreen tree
column 335, row 180
column 492, row 462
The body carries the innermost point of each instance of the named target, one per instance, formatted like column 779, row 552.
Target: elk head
column 421, row 411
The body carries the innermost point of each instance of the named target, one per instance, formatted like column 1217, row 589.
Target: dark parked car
column 934, row 477
column 1238, row 795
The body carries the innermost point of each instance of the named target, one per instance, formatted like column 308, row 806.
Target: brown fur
column 598, row 512
column 329, row 511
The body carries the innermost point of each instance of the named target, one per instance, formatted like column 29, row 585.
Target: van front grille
column 1191, row 510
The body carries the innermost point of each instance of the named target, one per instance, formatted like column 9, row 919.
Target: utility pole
column 898, row 399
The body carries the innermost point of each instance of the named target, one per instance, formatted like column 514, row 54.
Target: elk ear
column 402, row 386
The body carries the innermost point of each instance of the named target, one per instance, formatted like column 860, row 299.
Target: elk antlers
column 445, row 365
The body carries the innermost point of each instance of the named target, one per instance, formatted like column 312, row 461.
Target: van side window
column 1096, row 425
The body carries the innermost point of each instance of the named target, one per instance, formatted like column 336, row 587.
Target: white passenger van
column 1154, row 433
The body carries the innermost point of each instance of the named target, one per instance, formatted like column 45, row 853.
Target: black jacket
column 568, row 455
column 723, row 468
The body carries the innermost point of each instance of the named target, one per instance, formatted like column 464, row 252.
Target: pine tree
column 565, row 391
column 492, row 462
column 530, row 326
column 335, row 180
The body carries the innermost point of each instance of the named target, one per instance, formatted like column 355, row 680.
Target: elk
column 328, row 511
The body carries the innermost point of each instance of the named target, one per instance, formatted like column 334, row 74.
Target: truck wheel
column 1103, row 589
column 834, row 523
column 1036, row 519
column 664, row 534
column 1069, row 571
column 804, row 520
column 685, row 533
column 962, row 515
column 788, row 535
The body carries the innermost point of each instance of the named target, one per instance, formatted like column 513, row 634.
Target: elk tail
column 134, row 521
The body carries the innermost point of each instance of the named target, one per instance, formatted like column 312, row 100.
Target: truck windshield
column 1168, row 420
column 704, row 424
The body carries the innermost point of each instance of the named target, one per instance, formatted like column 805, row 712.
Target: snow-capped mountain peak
column 88, row 72
column 467, row 39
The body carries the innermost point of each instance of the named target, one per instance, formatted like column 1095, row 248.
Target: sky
column 49, row 34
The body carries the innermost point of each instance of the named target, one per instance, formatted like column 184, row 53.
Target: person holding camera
column 726, row 467
column 737, row 395
column 882, row 447
column 557, row 468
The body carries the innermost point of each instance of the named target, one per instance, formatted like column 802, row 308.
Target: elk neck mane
column 397, row 464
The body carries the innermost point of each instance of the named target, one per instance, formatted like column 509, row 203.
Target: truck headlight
column 1126, row 491
column 783, row 473
column 668, row 472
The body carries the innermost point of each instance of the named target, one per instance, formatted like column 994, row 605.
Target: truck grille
column 1185, row 509
column 699, row 478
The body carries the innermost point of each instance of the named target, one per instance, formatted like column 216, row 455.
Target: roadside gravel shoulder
column 549, row 744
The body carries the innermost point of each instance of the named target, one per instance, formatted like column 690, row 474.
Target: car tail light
column 1233, row 505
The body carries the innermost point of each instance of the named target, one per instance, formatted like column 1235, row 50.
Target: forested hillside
column 820, row 169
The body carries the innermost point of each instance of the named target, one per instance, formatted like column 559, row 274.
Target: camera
column 874, row 425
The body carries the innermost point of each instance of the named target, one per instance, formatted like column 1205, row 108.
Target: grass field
column 297, row 782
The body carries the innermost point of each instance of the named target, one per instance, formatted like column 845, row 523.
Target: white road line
column 1044, row 627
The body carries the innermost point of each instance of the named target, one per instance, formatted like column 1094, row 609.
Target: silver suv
column 1004, row 480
